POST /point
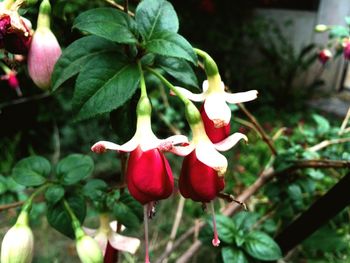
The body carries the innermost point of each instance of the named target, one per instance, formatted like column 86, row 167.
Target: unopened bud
column 324, row 55
column 321, row 28
column 88, row 250
column 18, row 243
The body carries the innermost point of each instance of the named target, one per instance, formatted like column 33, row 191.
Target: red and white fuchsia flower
column 44, row 50
column 11, row 78
column 324, row 55
column 109, row 240
column 215, row 98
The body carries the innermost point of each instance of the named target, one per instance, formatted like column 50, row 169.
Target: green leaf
column 54, row 193
column 294, row 192
column 347, row 20
column 95, row 189
column 108, row 23
column 153, row 16
column 170, row 44
column 180, row 70
column 59, row 219
column 245, row 220
column 323, row 125
column 74, row 168
column 233, row 255
column 105, row 84
column 31, row 171
column 125, row 215
column 76, row 55
column 262, row 247
column 338, row 32
column 134, row 205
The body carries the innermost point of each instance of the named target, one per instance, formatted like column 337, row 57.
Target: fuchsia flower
column 44, row 50
column 149, row 177
column 215, row 98
column 346, row 50
column 12, row 81
column 15, row 30
column 324, row 55
column 108, row 239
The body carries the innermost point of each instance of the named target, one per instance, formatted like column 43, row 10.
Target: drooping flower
column 324, row 55
column 18, row 243
column 149, row 177
column 15, row 30
column 346, row 50
column 88, row 250
column 215, row 98
column 44, row 50
column 109, row 240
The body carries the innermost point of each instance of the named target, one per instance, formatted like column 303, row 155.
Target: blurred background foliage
column 252, row 53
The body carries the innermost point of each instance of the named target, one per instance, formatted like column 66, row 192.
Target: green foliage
column 54, row 194
column 58, row 217
column 74, row 168
column 109, row 23
column 31, row 171
column 230, row 254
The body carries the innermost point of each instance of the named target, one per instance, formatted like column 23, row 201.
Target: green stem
column 27, row 206
column 210, row 66
column 142, row 81
column 178, row 93
column 44, row 14
column 5, row 68
column 75, row 222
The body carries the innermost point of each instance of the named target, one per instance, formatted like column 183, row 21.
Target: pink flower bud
column 43, row 55
column 324, row 55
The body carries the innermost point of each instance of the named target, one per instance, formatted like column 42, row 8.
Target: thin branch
column 12, row 205
column 25, row 99
column 120, row 7
column 344, row 123
column 233, row 208
column 327, row 143
column 261, row 131
column 176, row 224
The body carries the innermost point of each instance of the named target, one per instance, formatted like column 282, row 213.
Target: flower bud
column 324, row 55
column 346, row 50
column 88, row 250
column 18, row 243
column 44, row 50
column 321, row 28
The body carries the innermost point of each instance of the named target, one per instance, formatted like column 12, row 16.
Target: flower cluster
column 149, row 177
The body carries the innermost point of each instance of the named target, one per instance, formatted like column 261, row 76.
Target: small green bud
column 193, row 115
column 144, row 107
column 321, row 28
column 18, row 243
column 88, row 250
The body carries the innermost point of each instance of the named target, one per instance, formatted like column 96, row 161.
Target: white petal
column 205, row 86
column 182, row 150
column 102, row 146
column 123, row 243
column 192, row 96
column 151, row 142
column 102, row 241
column 168, row 143
column 241, row 96
column 230, row 141
column 113, row 226
column 207, row 154
column 217, row 110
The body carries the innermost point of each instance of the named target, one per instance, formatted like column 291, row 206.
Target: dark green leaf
column 153, row 16
column 75, row 57
column 104, row 84
column 171, row 44
column 95, row 189
column 108, row 23
column 244, row 220
column 54, row 193
column 74, row 168
column 59, row 219
column 125, row 215
column 180, row 70
column 294, row 192
column 134, row 205
column 261, row 246
column 233, row 255
column 31, row 171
